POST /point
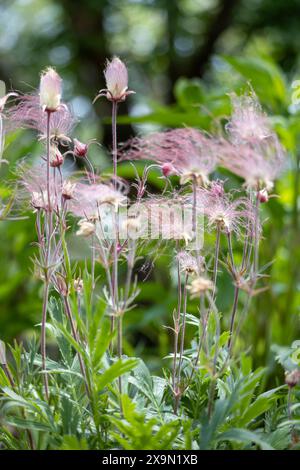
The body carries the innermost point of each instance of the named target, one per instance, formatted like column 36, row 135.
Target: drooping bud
column 116, row 77
column 263, row 196
column 68, row 190
column 50, row 90
column 292, row 378
column 168, row 169
column 56, row 157
column 80, row 149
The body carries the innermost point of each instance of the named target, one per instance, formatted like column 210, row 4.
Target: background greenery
column 184, row 57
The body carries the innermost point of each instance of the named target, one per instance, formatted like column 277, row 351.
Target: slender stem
column 233, row 314
column 183, row 325
column 120, row 345
column 176, row 326
column 216, row 261
column 48, row 216
column 256, row 242
column 43, row 336
column 76, row 338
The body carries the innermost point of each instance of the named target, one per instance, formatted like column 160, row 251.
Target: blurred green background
column 184, row 57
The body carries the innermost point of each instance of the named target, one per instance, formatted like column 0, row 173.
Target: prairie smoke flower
column 223, row 212
column 28, row 114
column 188, row 263
column 199, row 286
column 116, row 77
column 86, row 228
column 259, row 166
column 50, row 90
column 34, row 182
column 89, row 197
column 68, row 190
column 253, row 151
column 80, row 149
column 56, row 157
column 248, row 123
column 185, row 152
column 292, row 378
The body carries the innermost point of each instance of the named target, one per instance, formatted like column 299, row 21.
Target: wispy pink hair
column 188, row 151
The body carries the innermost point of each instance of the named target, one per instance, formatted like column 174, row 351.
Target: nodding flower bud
column 263, row 196
column 50, row 90
column 68, row 190
column 80, row 149
column 168, row 169
column 116, row 77
column 292, row 378
column 56, row 157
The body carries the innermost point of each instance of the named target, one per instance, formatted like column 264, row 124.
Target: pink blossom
column 186, row 152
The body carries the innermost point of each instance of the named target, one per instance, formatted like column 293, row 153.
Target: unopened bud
column 292, row 378
column 263, row 196
column 116, row 77
column 168, row 169
column 68, row 190
column 56, row 157
column 50, row 90
column 80, row 149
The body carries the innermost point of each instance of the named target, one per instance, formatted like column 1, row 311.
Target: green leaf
column 189, row 92
column 244, row 436
column 113, row 372
column 265, row 77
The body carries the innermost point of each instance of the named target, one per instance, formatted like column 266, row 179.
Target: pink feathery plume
column 89, row 196
column 224, row 212
column 34, row 188
column 185, row 152
column 259, row 166
column 253, row 151
column 248, row 123
column 28, row 113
